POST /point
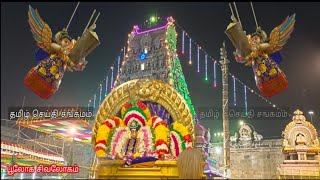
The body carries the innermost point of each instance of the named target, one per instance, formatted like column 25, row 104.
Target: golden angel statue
column 264, row 55
column 52, row 55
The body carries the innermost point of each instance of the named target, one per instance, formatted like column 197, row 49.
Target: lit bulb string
column 190, row 51
column 198, row 59
column 234, row 92
column 214, row 74
column 182, row 43
column 215, row 61
column 106, row 78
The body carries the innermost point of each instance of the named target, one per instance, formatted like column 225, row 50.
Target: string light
column 107, row 85
column 182, row 42
column 214, row 74
column 206, row 62
column 190, row 62
column 118, row 65
column 234, row 92
column 245, row 99
column 124, row 52
column 184, row 33
column 100, row 94
column 94, row 102
column 198, row 57
column 199, row 47
column 111, row 85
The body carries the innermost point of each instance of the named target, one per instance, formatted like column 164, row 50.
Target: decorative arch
column 145, row 90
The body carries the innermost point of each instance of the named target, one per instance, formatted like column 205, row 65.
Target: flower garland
column 100, row 146
column 177, row 143
column 184, row 132
column 103, row 135
column 118, row 140
column 109, row 140
column 140, row 105
column 161, row 135
column 146, row 140
column 135, row 113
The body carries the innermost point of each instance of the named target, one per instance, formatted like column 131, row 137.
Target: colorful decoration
column 111, row 82
column 234, row 91
column 269, row 77
column 143, row 56
column 245, row 99
column 180, row 139
column 9, row 149
column 182, row 42
column 118, row 65
column 53, row 57
column 135, row 138
column 214, row 69
column 198, row 59
column 176, row 74
column 60, row 127
column 214, row 74
column 107, row 78
column 104, row 133
column 206, row 63
column 190, row 51
column 100, row 94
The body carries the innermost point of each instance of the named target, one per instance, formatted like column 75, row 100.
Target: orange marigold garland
column 103, row 134
column 184, row 132
column 161, row 135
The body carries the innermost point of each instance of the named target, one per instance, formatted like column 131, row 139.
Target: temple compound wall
column 295, row 156
column 257, row 162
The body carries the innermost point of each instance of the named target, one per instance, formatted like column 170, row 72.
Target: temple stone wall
column 259, row 162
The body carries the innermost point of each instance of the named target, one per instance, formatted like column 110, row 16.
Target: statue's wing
column 41, row 31
column 280, row 34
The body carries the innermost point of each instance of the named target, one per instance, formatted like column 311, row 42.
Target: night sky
column 205, row 22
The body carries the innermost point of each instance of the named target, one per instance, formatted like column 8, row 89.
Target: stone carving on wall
column 247, row 137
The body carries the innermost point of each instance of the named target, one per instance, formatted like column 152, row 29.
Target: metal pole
column 72, row 16
column 89, row 22
column 226, row 145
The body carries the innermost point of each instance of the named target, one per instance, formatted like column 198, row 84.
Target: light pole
column 225, row 109
column 311, row 114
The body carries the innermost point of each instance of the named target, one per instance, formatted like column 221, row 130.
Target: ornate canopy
column 150, row 90
column 300, row 131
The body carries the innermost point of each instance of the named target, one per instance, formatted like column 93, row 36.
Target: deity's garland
column 184, row 132
column 161, row 135
column 117, row 140
column 103, row 133
column 139, row 105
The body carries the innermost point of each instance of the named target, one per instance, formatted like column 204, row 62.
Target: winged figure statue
column 52, row 56
column 266, row 56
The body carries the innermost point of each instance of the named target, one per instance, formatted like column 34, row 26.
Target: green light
column 153, row 19
column 206, row 79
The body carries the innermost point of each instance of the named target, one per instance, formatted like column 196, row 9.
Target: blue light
column 143, row 56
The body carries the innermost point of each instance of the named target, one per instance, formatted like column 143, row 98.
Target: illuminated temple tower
column 152, row 53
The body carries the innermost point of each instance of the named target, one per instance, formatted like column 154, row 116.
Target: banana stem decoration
column 56, row 55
